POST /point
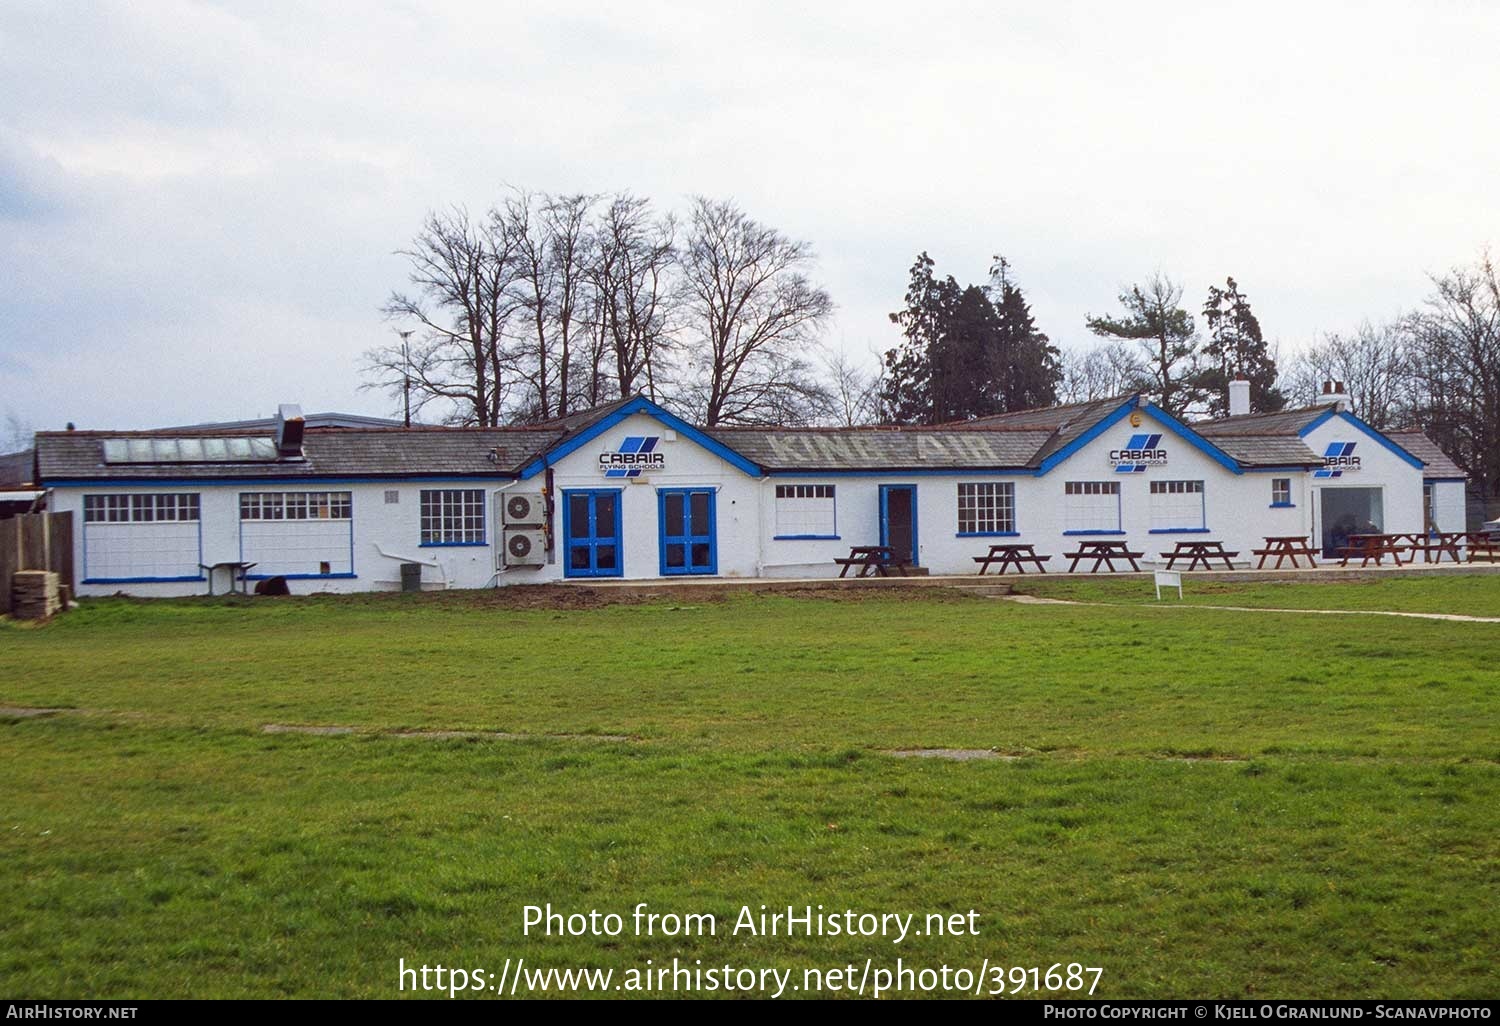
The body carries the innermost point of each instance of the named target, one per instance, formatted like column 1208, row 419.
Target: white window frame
column 142, row 508
column 1178, row 507
column 806, row 512
column 986, row 509
column 1281, row 492
column 1087, row 508
column 452, row 516
column 265, row 506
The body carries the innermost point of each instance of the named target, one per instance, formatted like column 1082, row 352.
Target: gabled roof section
column 590, row 424
column 1436, row 463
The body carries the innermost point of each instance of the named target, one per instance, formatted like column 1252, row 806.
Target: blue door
column 898, row 520
column 591, row 534
column 689, row 539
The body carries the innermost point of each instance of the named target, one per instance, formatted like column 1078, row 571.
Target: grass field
column 1201, row 802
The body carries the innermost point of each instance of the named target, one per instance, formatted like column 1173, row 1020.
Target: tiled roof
column 1282, row 422
column 15, row 468
column 1425, row 449
column 328, row 452
column 1268, row 450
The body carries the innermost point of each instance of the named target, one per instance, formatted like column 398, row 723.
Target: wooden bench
column 1007, row 555
column 1103, row 552
column 1283, row 547
column 1199, row 552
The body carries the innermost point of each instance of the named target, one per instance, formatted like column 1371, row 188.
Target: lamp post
column 406, row 374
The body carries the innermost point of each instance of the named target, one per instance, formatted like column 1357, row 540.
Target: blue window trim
column 619, row 539
column 1179, row 530
column 640, row 404
column 302, row 577
column 1119, row 494
column 885, row 522
column 1355, row 422
column 689, row 538
column 1015, row 516
column 987, row 534
column 1283, row 505
column 1092, row 532
column 141, row 580
column 878, row 472
column 484, row 501
column 806, row 537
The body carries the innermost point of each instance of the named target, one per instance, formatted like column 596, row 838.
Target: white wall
column 1399, row 482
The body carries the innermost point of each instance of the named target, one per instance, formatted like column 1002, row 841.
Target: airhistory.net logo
column 1140, row 452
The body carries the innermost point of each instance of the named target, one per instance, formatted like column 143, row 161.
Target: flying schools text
column 642, row 460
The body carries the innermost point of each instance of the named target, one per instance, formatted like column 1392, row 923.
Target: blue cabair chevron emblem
column 1338, row 460
column 636, row 455
column 1141, row 451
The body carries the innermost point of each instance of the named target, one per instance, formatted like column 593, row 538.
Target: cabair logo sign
column 1140, row 452
column 1338, row 460
column 636, row 455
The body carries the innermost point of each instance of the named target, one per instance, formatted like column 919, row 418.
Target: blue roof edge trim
column 1374, row 433
column 640, row 404
column 1196, row 440
column 1088, row 436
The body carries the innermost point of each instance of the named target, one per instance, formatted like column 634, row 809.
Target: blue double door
column 593, row 535
column 689, row 531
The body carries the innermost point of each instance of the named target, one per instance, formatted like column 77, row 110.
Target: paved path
column 1035, row 600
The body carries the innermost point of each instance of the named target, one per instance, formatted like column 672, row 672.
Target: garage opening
column 1347, row 511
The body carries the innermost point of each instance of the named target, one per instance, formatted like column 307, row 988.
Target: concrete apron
column 975, row 581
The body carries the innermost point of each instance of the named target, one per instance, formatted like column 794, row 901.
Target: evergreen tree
column 1236, row 349
column 1026, row 367
column 1166, row 334
column 968, row 351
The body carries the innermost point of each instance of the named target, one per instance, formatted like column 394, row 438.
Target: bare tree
column 1454, row 360
column 633, row 255
column 462, row 273
column 853, row 392
column 754, row 316
column 18, row 434
column 1372, row 362
column 1102, row 371
column 565, row 220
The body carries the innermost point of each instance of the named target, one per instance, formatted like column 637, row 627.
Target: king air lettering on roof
column 892, row 449
column 1140, row 452
column 636, row 455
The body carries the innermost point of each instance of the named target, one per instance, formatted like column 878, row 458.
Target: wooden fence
column 35, row 541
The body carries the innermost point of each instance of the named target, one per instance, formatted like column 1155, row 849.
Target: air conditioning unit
column 523, row 509
column 524, row 546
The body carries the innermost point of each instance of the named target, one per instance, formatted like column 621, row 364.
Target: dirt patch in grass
column 21, row 712
column 952, row 754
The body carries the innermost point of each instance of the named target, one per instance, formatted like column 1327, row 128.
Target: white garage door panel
column 296, row 546
column 115, row 552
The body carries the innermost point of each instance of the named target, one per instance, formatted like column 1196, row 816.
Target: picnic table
column 1286, row 546
column 876, row 559
column 1482, row 543
column 1432, row 546
column 1103, row 552
column 1007, row 555
column 237, row 571
column 1366, row 547
column 1199, row 553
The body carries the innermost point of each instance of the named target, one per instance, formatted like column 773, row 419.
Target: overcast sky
column 199, row 201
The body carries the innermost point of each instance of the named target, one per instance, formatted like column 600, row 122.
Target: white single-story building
column 627, row 490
